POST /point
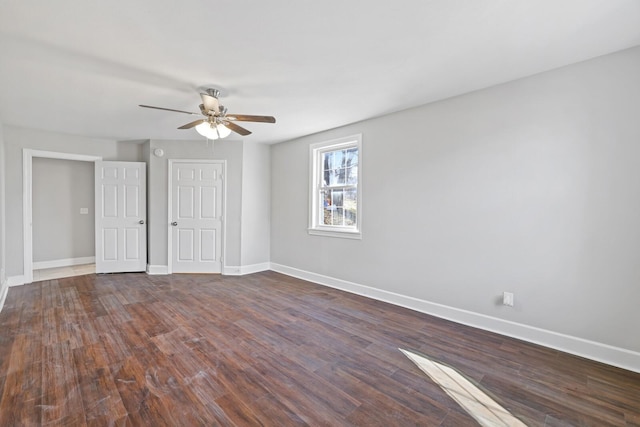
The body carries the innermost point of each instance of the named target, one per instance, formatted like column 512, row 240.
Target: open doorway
column 63, row 218
column 71, row 255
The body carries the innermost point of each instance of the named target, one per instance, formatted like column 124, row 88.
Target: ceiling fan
column 217, row 123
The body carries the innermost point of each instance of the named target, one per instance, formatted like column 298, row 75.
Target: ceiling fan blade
column 192, row 124
column 210, row 102
column 248, row 118
column 237, row 129
column 169, row 109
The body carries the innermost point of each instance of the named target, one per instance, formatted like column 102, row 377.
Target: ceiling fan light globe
column 224, row 131
column 207, row 131
column 211, row 131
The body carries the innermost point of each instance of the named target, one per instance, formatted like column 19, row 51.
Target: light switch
column 84, row 211
column 507, row 299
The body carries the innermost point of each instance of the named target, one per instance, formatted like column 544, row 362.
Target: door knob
column 141, row 221
column 174, row 223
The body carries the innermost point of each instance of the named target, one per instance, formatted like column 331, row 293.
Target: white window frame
column 315, row 186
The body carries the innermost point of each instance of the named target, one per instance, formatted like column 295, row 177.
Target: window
column 335, row 208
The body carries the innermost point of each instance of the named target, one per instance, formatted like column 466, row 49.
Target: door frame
column 27, row 199
column 171, row 162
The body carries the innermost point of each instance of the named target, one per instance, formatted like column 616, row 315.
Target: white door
column 121, row 212
column 196, row 217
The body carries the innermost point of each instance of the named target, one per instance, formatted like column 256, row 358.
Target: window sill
column 333, row 233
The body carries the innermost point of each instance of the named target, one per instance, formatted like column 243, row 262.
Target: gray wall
column 15, row 140
column 2, row 214
column 256, row 203
column 60, row 189
column 531, row 187
column 231, row 151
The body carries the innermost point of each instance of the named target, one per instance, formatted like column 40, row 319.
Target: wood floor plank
column 238, row 412
column 88, row 294
column 307, row 388
column 101, row 400
column 143, row 406
column 143, row 314
column 21, row 402
column 167, row 381
column 61, row 394
column 21, row 395
column 268, row 349
column 115, row 308
column 111, row 339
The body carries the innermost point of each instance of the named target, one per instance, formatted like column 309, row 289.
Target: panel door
column 121, row 230
column 196, row 217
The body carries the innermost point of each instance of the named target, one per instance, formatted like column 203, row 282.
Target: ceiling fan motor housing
column 213, row 92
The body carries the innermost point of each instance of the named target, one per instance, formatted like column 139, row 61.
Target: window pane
column 352, row 157
column 329, row 162
column 328, row 213
column 327, row 216
column 352, row 175
column 341, row 159
column 350, row 197
column 333, row 177
column 342, row 176
column 327, row 207
column 338, row 217
column 336, row 198
column 337, row 176
column 336, row 159
column 350, row 206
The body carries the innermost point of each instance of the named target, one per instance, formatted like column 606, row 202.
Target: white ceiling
column 83, row 66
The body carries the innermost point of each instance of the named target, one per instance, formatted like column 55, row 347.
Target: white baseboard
column 157, row 269
column 600, row 352
column 65, row 262
column 16, row 281
column 235, row 270
column 4, row 290
column 231, row 270
column 255, row 268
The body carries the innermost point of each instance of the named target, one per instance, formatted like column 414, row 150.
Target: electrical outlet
column 507, row 299
column 84, row 211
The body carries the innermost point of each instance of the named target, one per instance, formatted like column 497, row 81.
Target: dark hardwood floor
column 267, row 349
